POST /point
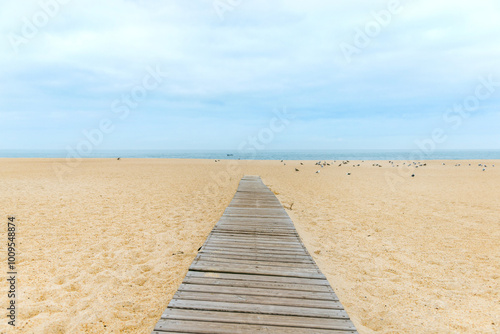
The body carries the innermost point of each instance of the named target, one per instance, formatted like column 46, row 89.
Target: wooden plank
column 251, row 299
column 241, row 203
column 251, row 230
column 259, row 278
column 263, row 234
column 255, row 204
column 269, row 229
column 204, row 327
column 228, row 234
column 259, row 200
column 254, row 270
column 254, row 239
column 274, row 257
column 258, row 308
column 252, row 243
column 257, row 211
column 259, row 225
column 241, row 228
column 254, row 235
column 246, row 191
column 257, row 284
column 267, row 226
column 248, row 243
column 257, row 220
column 253, row 256
column 244, row 215
column 251, row 253
column 249, row 196
column 255, row 267
column 265, row 223
column 253, row 247
column 254, row 193
column 253, row 260
column 299, row 294
column 216, row 259
column 254, row 250
column 261, row 319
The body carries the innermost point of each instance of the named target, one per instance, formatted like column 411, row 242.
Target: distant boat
column 229, row 155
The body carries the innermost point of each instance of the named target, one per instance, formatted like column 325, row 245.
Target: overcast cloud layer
column 225, row 66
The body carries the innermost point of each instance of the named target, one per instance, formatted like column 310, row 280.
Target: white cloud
column 261, row 56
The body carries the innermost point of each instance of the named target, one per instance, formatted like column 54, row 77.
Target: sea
column 264, row 154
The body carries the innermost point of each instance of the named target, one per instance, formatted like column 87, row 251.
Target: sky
column 212, row 74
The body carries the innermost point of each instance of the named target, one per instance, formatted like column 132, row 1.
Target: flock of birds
column 413, row 164
column 347, row 162
column 479, row 165
column 392, row 163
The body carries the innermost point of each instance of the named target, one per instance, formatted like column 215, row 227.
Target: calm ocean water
column 268, row 155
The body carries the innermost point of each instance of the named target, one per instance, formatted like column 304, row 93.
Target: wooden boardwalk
column 253, row 274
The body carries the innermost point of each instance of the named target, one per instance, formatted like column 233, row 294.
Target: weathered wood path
column 253, row 274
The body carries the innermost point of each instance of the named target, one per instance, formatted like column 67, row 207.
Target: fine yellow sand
column 104, row 247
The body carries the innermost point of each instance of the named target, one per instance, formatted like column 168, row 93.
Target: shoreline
column 254, row 160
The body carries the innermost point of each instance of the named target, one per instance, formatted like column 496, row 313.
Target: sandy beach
column 103, row 248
